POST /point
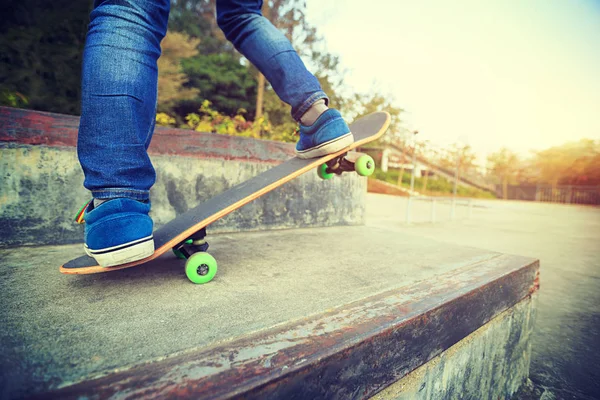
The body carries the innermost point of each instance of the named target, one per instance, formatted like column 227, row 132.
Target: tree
column 463, row 155
column 197, row 19
column 584, row 155
column 327, row 67
column 466, row 158
column 217, row 71
column 288, row 16
column 221, row 79
column 552, row 165
column 222, row 76
column 41, row 46
column 330, row 79
column 175, row 47
column 360, row 105
column 504, row 165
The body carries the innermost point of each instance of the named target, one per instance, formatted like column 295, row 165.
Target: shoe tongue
column 97, row 202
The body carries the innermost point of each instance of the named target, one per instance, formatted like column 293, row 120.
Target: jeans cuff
column 113, row 193
column 299, row 112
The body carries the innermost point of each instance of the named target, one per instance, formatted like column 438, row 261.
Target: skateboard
column 185, row 234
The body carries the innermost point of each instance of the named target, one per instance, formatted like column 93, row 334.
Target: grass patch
column 435, row 185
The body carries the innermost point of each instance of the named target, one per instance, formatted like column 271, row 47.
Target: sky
column 522, row 74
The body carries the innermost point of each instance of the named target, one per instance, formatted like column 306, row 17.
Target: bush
column 212, row 121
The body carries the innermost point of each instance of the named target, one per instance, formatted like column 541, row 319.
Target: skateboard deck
column 173, row 234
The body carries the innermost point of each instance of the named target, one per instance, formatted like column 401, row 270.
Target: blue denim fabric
column 271, row 52
column 119, row 85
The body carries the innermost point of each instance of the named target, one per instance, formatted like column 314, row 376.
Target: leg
column 118, row 102
column 272, row 53
column 118, row 106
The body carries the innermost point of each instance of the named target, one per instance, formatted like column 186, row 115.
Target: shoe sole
column 323, row 149
column 128, row 252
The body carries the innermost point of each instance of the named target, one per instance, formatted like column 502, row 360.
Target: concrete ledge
column 292, row 319
column 41, row 184
column 36, row 128
column 491, row 363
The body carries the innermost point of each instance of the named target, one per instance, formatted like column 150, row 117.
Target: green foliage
column 222, row 79
column 41, row 46
column 210, row 120
column 176, row 47
column 13, row 99
column 279, row 113
column 217, row 72
column 197, row 19
column 437, row 186
column 164, row 119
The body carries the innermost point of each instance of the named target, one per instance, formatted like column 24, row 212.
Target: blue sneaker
column 328, row 134
column 118, row 231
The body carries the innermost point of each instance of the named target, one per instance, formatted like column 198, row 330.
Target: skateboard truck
column 364, row 165
column 200, row 267
column 194, row 244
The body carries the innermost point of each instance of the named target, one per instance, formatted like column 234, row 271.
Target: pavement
column 566, row 238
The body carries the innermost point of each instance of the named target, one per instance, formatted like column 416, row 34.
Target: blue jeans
column 119, row 84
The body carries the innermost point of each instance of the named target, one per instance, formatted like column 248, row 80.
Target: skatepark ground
column 81, row 326
column 565, row 360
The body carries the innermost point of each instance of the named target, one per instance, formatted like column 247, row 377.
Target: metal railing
column 568, row 194
column 434, row 209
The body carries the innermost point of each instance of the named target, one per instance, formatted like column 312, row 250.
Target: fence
column 567, row 194
column 440, row 209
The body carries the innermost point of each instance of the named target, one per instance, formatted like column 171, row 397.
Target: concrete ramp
column 339, row 312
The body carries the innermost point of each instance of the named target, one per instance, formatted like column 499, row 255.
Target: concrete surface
column 501, row 347
column 58, row 329
column 41, row 181
column 566, row 238
column 41, row 191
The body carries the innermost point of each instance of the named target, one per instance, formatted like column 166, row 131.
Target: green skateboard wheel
column 201, row 268
column 365, row 165
column 322, row 172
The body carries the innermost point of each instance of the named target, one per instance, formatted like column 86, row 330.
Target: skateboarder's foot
column 118, row 231
column 328, row 134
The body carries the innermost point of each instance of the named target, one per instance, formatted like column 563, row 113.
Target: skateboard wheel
column 201, row 268
column 364, row 165
column 322, row 172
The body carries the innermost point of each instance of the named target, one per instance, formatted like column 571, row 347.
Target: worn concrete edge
column 448, row 375
column 353, row 351
column 27, row 127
